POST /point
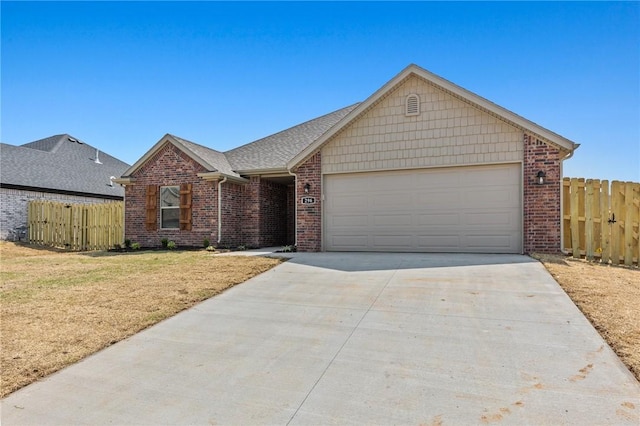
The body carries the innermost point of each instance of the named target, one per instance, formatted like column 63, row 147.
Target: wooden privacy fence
column 76, row 226
column 601, row 220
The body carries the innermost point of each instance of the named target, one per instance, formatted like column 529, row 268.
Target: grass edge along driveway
column 59, row 307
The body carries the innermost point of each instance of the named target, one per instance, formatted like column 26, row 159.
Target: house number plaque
column 308, row 200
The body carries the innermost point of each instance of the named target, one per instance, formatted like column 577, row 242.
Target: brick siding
column 233, row 197
column 265, row 213
column 309, row 219
column 291, row 215
column 170, row 166
column 541, row 202
column 253, row 215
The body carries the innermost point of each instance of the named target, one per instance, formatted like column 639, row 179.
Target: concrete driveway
column 337, row 338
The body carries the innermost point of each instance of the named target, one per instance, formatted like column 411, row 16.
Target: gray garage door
column 455, row 209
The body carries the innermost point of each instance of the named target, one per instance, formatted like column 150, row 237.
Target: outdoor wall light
column 540, row 177
column 307, row 187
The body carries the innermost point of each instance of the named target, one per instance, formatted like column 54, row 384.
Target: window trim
column 162, row 208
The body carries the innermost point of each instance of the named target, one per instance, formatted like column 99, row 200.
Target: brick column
column 309, row 218
column 542, row 213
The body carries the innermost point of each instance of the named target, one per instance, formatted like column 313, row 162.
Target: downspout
column 295, row 208
column 220, row 208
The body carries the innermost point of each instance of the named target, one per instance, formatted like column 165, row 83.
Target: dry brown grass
column 609, row 296
column 56, row 307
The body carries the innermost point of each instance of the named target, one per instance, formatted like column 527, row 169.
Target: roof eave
column 266, row 171
column 124, row 180
column 211, row 176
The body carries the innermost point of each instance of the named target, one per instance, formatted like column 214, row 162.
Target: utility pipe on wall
column 220, row 208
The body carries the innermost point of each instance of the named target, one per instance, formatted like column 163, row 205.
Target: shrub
column 135, row 246
column 211, row 248
column 171, row 245
column 164, row 242
column 205, row 243
column 287, row 249
column 127, row 243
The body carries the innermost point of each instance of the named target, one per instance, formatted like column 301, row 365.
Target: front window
column 170, row 207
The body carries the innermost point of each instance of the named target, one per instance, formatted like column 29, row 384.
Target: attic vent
column 72, row 139
column 412, row 105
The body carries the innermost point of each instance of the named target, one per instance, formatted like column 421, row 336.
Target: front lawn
column 58, row 307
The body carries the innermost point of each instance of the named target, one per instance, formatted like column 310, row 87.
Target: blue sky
column 119, row 75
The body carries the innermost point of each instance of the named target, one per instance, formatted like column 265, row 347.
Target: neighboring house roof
column 60, row 163
column 458, row 92
column 287, row 149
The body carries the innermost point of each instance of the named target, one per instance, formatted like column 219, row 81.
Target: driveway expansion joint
column 342, row 346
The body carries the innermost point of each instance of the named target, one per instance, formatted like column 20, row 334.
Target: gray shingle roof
column 273, row 152
column 60, row 163
column 216, row 160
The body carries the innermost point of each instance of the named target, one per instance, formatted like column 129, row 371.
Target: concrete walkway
column 336, row 338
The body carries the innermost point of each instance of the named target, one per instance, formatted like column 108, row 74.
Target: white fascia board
column 124, row 180
column 219, row 176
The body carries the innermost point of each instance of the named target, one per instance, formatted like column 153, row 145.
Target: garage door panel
column 390, row 182
column 502, row 219
column 489, row 241
column 346, row 203
column 444, row 179
column 438, row 242
column 438, row 219
column 349, row 220
column 392, row 241
column 390, row 199
column 351, row 242
column 501, row 196
column 456, row 209
column 437, row 199
column 479, row 177
column 392, row 220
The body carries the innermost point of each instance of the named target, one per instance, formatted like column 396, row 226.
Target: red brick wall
column 541, row 202
column 309, row 218
column 233, row 220
column 265, row 213
column 254, row 215
column 291, row 215
column 170, row 166
column 251, row 220
column 273, row 214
